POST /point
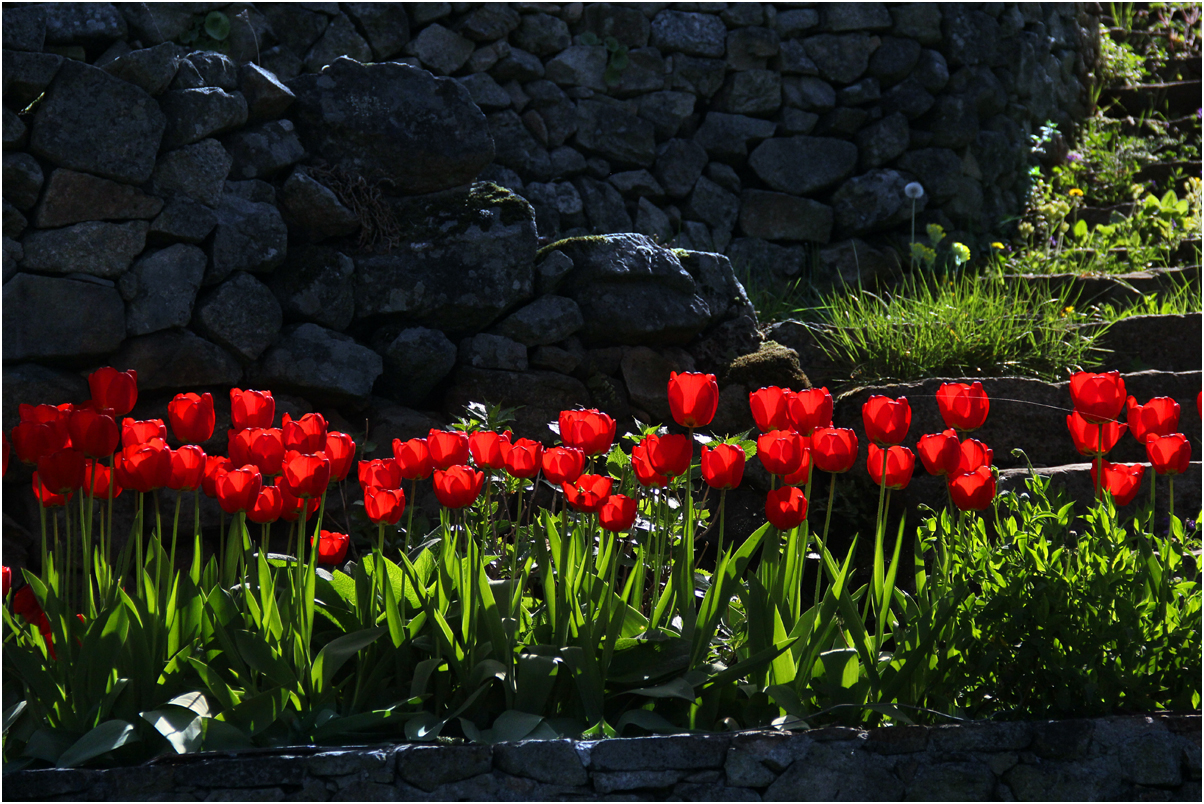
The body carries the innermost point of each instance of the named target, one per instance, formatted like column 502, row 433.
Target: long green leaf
column 110, row 735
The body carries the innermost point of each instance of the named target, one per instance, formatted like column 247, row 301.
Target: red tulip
column 96, row 479
column 1158, row 417
column 802, row 475
column 135, row 432
column 1199, row 395
column 238, row 489
column 886, row 420
column 834, row 449
column 46, row 414
column 113, row 389
column 940, row 452
column 669, row 454
column 617, row 513
column 187, row 468
column 723, row 466
column 413, row 458
column 458, row 486
column 810, row 410
column 62, row 471
column 780, row 451
column 269, row 505
column 383, row 473
column 448, row 448
column 25, row 604
column 7, row 579
column 264, row 448
column 332, row 547
column 1098, row 397
column 972, row 454
column 590, row 431
column 786, row 508
column 144, row 467
column 291, row 507
column 693, row 398
column 563, row 464
column 45, row 496
column 900, row 463
column 192, row 418
column 384, row 505
column 587, row 493
column 769, row 408
column 340, row 450
column 523, row 458
column 489, row 449
column 973, row 491
column 1169, row 455
column 1122, row 479
column 645, row 473
column 94, row 434
column 306, row 435
column 215, row 467
column 252, row 409
column 32, row 440
column 963, row 407
column 305, row 475
column 1087, row 436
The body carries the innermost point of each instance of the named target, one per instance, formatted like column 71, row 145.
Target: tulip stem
column 107, row 536
column 824, row 541
column 405, row 542
column 86, row 560
column 175, row 527
column 195, row 573
column 138, row 527
column 158, row 540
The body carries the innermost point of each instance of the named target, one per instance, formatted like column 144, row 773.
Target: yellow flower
column 997, row 245
column 935, row 233
column 1067, row 311
column 1075, row 192
column 961, row 254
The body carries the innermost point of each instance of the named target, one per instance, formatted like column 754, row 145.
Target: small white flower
column 914, row 190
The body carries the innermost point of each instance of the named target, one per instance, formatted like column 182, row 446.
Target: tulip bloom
column 32, row 440
column 291, row 507
column 801, row 475
column 458, row 486
column 262, row 447
column 1093, row 440
column 113, row 389
column 972, row 454
column 144, row 467
column 413, row 458
column 669, row 454
column 269, row 505
column 769, row 408
column 332, row 547
column 810, row 410
column 25, row 604
column 900, row 463
column 383, row 473
column 645, row 473
column 963, row 407
column 448, row 448
column 723, row 466
column 973, row 491
column 786, row 508
column 780, row 451
column 523, row 458
column 1169, row 455
column 1098, row 397
column 187, row 468
column 340, row 450
column 886, row 420
column 1158, row 417
column 306, row 435
column 192, row 418
column 305, row 475
column 693, row 398
column 215, row 467
column 135, row 432
column 252, row 409
column 563, row 464
column 587, row 493
column 1122, row 479
column 238, row 489
column 97, row 480
column 7, row 577
column 617, row 513
column 92, row 433
column 834, row 449
column 45, row 496
column 590, row 431
column 940, row 453
column 384, row 505
column 489, row 449
column 63, row 471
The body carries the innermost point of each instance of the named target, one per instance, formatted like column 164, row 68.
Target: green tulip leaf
column 217, row 25
column 179, row 726
column 106, row 737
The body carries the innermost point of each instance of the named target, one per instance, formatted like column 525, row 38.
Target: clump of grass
column 1183, row 297
column 957, row 326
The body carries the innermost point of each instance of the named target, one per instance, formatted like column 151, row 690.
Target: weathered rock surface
column 100, row 249
column 416, row 360
column 315, row 284
column 250, row 236
column 320, row 364
column 61, row 318
column 167, row 282
column 72, row 197
column 240, row 315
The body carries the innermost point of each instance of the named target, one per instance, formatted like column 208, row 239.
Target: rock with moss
column 772, row 364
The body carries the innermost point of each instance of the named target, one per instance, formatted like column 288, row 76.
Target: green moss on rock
column 567, row 242
column 772, row 364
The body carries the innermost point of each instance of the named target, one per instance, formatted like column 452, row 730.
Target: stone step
column 1172, row 98
column 1163, row 342
column 1123, row 289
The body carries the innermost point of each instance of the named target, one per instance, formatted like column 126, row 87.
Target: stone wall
column 1108, row 759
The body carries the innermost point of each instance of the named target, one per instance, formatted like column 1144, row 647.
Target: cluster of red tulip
column 1098, row 400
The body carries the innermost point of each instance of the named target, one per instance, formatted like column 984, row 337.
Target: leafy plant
column 208, row 32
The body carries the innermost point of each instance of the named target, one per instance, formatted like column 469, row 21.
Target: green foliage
column 209, row 31
column 616, row 60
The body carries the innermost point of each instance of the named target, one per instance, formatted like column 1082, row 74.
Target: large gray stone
column 841, row 58
column 872, row 202
column 752, row 92
column 25, row 28
column 626, row 23
column 579, row 65
column 196, row 171
column 14, row 130
column 677, row 752
column 100, row 249
column 22, row 180
column 83, row 23
column 93, row 122
column 262, row 151
column 952, row 781
column 182, row 220
column 267, row 98
column 856, row 16
column 490, row 22
column 250, row 236
column 689, row 32
column 319, row 364
column 194, row 114
column 894, row 60
column 167, row 282
column 295, row 26
column 803, row 165
column 339, row 40
column 315, row 284
column 428, row 766
column 467, row 259
column 615, row 133
column 749, row 48
column 416, row 360
column 779, row 216
column 72, row 197
column 604, row 207
column 385, row 26
column 666, row 111
column 441, row 51
column 14, row 221
column 699, row 76
column 26, row 75
column 240, row 315
column 546, row 320
column 834, row 772
column 392, row 121
column 718, row 208
column 881, row 142
column 1152, row 759
column 541, row 34
column 151, row 69
column 792, row 22
column 679, row 163
column 920, row 21
column 727, row 136
column 517, row 149
column 315, row 209
column 60, row 318
column 487, row 351
column 485, row 92
column 215, row 69
column 550, row 761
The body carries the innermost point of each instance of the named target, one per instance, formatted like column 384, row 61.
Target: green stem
column 824, row 541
